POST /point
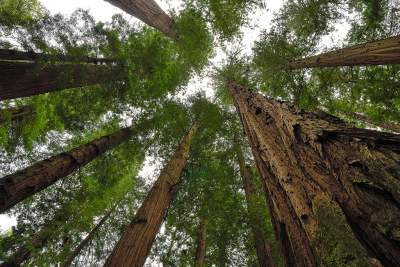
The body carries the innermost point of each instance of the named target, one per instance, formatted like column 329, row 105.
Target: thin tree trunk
column 382, row 52
column 14, row 55
column 150, row 13
column 325, row 179
column 22, row 79
column 201, row 244
column 384, row 125
column 23, row 184
column 15, row 114
column 135, row 243
column 89, row 237
column 263, row 248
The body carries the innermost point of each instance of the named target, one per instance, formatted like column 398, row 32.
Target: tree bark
column 89, row 237
column 329, row 184
column 15, row 114
column 263, row 248
column 394, row 127
column 150, row 13
column 23, row 184
column 23, row 79
column 135, row 243
column 17, row 55
column 201, row 244
column 382, row 52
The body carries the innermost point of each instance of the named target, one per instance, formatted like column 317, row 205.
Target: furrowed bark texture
column 15, row 114
column 150, row 13
column 382, row 52
column 201, row 244
column 263, row 248
column 87, row 239
column 13, row 55
column 22, row 79
column 327, row 183
column 135, row 244
column 384, row 125
column 22, row 184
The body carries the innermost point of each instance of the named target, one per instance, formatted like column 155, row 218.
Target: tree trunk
column 135, row 243
column 263, row 248
column 22, row 79
column 325, row 179
column 150, row 13
column 88, row 238
column 382, row 52
column 394, row 127
column 22, row 184
column 15, row 114
column 201, row 244
column 16, row 55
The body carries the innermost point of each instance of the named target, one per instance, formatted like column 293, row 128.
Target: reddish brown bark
column 201, row 244
column 135, row 243
column 14, row 55
column 382, row 52
column 263, row 248
column 15, row 114
column 324, row 178
column 150, row 13
column 22, row 184
column 22, row 79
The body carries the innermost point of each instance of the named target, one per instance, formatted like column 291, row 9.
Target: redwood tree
column 201, row 244
column 24, row 183
column 324, row 178
column 382, row 52
column 150, row 13
column 135, row 244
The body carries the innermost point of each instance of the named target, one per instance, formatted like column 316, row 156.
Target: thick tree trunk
column 384, row 125
column 22, row 184
column 22, row 79
column 150, row 13
column 15, row 114
column 382, row 52
column 263, row 248
column 135, row 243
column 324, row 178
column 201, row 244
column 88, row 238
column 16, row 55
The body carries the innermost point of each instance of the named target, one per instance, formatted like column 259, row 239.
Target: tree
column 135, row 243
column 380, row 52
column 24, row 183
column 17, row 113
column 201, row 244
column 341, row 167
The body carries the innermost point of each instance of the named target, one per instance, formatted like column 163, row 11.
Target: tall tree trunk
column 325, row 179
column 394, row 127
column 201, row 244
column 382, row 52
column 22, row 79
column 89, row 237
column 135, row 243
column 22, row 184
column 263, row 248
column 14, row 55
column 150, row 13
column 15, row 114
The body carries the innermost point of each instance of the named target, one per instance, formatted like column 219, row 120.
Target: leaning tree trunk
column 263, row 248
column 394, row 127
column 135, row 243
column 201, row 244
column 325, row 179
column 22, row 184
column 89, row 237
column 382, row 52
column 22, row 79
column 150, row 13
column 16, row 114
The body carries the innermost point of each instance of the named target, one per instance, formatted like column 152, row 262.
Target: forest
column 288, row 155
